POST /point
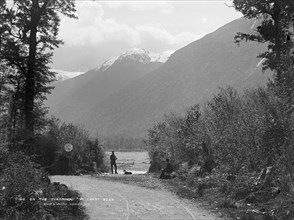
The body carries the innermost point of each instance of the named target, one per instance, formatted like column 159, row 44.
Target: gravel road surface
column 113, row 200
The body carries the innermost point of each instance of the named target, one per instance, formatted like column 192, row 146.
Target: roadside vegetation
column 31, row 143
column 26, row 192
column 25, row 188
column 86, row 157
column 238, row 146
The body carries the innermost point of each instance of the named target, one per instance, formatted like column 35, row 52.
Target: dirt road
column 111, row 200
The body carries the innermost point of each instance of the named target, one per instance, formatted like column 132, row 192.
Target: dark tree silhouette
column 28, row 34
column 275, row 28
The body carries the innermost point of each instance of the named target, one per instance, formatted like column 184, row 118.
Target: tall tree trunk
column 278, row 43
column 31, row 74
column 10, row 119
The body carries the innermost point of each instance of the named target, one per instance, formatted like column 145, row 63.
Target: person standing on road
column 113, row 159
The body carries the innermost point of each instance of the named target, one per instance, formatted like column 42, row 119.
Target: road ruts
column 112, row 200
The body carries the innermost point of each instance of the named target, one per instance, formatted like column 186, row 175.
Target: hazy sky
column 107, row 28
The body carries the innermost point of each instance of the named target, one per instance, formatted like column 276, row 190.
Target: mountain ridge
column 191, row 75
column 70, row 98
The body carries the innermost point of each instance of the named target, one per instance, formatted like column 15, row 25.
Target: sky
column 105, row 29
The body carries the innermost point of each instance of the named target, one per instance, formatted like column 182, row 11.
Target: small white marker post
column 68, row 148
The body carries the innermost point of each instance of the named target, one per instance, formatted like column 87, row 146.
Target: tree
column 277, row 29
column 277, row 20
column 27, row 37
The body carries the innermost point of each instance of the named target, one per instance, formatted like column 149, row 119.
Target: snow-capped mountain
column 138, row 55
column 64, row 75
column 190, row 76
column 73, row 97
column 128, row 93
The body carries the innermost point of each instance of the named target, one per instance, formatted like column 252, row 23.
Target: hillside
column 191, row 75
column 71, row 98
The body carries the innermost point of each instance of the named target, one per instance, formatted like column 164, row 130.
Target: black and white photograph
column 147, row 110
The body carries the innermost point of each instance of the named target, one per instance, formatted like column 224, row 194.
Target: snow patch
column 108, row 63
column 139, row 55
column 133, row 51
column 64, row 75
column 136, row 54
column 162, row 58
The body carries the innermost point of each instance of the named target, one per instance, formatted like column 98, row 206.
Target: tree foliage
column 53, row 156
column 24, row 188
column 28, row 34
column 228, row 142
column 276, row 27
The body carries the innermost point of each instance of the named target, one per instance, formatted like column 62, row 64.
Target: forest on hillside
column 123, row 143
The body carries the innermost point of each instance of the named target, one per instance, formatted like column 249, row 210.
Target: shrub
column 86, row 150
column 68, row 207
column 23, row 185
column 232, row 137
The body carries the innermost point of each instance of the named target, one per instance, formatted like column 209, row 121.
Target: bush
column 23, row 186
column 68, row 208
column 232, row 138
column 86, row 150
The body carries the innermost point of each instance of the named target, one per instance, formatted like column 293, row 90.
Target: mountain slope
column 71, row 98
column 191, row 75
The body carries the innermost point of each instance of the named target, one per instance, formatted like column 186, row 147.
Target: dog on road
column 127, row 172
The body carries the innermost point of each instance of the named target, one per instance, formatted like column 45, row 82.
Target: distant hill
column 71, row 98
column 191, row 75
